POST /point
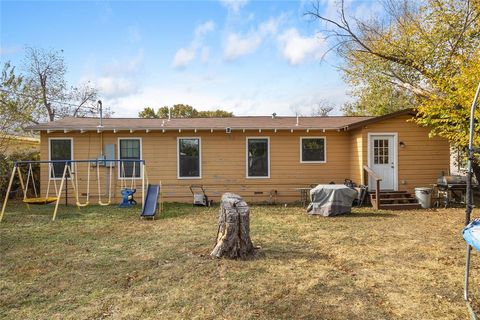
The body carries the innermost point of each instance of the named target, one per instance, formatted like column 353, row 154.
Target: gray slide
column 150, row 207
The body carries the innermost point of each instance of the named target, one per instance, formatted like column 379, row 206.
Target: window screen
column 130, row 150
column 258, row 157
column 313, row 149
column 189, row 158
column 60, row 149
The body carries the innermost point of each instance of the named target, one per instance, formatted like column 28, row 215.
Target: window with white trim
column 60, row 149
column 130, row 149
column 313, row 149
column 189, row 158
column 258, row 158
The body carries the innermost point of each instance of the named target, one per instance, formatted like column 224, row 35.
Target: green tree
column 405, row 56
column 215, row 114
column 422, row 54
column 182, row 111
column 148, row 113
column 18, row 106
column 178, row 111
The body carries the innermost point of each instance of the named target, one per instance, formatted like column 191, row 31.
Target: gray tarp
column 331, row 199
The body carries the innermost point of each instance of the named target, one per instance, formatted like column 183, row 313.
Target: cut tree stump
column 233, row 236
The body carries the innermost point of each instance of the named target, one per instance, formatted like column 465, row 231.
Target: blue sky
column 249, row 57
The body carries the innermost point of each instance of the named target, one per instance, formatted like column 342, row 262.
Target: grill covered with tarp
column 331, row 199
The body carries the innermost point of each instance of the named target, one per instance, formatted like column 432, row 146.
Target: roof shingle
column 253, row 122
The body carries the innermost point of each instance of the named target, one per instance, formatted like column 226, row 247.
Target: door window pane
column 380, row 151
column 189, row 157
column 258, row 157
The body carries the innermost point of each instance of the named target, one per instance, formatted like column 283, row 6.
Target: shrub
column 6, row 166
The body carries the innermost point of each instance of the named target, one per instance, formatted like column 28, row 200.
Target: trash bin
column 424, row 197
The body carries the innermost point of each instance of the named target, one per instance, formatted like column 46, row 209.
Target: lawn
column 106, row 263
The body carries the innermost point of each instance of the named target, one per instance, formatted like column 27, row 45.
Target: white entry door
column 383, row 160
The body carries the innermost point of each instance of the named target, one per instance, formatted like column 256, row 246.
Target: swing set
column 71, row 173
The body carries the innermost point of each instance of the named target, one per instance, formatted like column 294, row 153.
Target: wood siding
column 422, row 159
column 224, row 161
column 356, row 154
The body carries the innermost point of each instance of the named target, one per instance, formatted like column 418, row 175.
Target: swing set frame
column 472, row 151
column 70, row 172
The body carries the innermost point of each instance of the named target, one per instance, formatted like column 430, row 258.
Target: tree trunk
column 233, row 236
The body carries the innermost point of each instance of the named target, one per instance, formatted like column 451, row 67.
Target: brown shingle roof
column 254, row 122
column 235, row 123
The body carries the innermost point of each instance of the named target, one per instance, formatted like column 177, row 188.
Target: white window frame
column 120, row 164
column 324, row 149
column 246, row 158
column 50, row 153
column 199, row 158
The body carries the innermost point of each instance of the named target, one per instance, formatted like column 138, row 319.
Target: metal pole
column 469, row 195
column 469, row 200
column 101, row 112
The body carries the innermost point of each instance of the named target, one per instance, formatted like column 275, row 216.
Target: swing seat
column 471, row 234
column 40, row 200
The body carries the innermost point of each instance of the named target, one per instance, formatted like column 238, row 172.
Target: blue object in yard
column 150, row 206
column 471, row 234
column 127, row 200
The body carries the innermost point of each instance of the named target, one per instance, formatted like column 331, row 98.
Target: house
column 261, row 158
column 10, row 144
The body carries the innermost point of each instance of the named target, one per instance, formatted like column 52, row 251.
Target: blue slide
column 150, row 206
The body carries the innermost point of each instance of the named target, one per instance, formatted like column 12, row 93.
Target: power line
column 35, row 97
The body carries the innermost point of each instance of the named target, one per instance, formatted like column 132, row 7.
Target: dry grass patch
column 104, row 262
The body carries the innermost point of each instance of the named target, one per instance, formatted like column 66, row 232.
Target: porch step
column 395, row 200
column 404, row 199
column 392, row 194
column 400, row 206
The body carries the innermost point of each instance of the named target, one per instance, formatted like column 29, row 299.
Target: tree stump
column 233, row 236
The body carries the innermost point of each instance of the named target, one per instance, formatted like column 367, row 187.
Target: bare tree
column 414, row 47
column 46, row 71
column 321, row 109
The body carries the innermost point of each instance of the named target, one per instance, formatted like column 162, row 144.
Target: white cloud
column 297, row 49
column 125, row 65
column 184, row 56
column 237, row 45
column 204, row 28
column 234, row 5
column 204, row 55
column 114, row 87
column 119, row 78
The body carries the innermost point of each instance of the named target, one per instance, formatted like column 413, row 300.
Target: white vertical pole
column 60, row 192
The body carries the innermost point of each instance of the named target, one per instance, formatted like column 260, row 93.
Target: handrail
column 376, row 177
column 371, row 173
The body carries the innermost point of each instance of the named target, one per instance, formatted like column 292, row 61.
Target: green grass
column 106, row 263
